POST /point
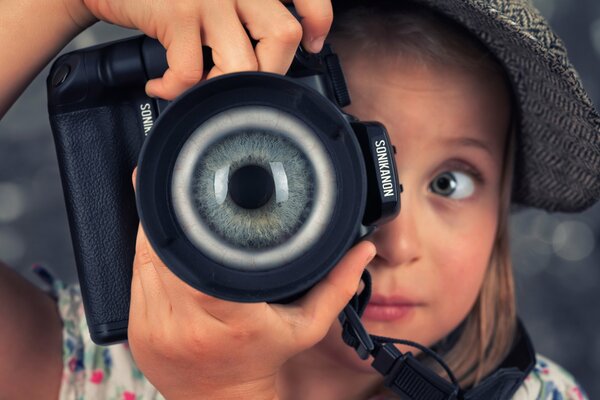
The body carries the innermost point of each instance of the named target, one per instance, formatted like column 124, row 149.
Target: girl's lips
column 384, row 308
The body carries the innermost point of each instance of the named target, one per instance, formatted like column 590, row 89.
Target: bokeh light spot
column 595, row 35
column 573, row 240
column 12, row 246
column 12, row 202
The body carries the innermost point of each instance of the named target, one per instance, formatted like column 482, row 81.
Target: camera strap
column 410, row 378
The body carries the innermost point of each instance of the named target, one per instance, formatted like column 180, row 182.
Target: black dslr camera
column 250, row 186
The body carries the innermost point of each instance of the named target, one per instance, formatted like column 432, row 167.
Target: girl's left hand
column 194, row 346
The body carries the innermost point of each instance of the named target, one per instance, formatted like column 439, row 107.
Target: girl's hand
column 194, row 346
column 183, row 26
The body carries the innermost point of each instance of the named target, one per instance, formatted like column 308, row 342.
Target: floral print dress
column 90, row 371
column 93, row 372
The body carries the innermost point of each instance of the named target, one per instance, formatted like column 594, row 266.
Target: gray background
column 556, row 256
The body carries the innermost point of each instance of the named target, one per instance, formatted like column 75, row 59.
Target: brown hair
column 403, row 29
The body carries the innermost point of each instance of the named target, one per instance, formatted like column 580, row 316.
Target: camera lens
column 252, row 186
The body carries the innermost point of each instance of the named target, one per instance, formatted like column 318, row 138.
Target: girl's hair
column 396, row 30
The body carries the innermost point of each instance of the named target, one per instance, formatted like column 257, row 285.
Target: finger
column 133, row 177
column 325, row 301
column 223, row 32
column 137, row 307
column 184, row 58
column 139, row 323
column 317, row 16
column 156, row 299
column 278, row 33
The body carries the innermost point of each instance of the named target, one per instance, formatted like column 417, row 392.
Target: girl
column 441, row 275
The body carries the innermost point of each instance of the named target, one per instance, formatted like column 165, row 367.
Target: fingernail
column 317, row 44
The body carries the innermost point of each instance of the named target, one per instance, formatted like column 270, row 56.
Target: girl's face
column 449, row 127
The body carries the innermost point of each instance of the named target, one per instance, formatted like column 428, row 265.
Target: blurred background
column 557, row 256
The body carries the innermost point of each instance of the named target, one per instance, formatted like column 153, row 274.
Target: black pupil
column 444, row 183
column 251, row 186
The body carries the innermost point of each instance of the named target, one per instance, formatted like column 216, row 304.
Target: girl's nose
column 398, row 241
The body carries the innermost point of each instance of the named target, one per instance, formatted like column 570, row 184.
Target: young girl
column 442, row 274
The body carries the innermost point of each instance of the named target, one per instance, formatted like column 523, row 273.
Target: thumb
column 185, row 63
column 317, row 17
column 323, row 303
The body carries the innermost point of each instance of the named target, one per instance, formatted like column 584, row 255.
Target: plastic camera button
column 61, row 75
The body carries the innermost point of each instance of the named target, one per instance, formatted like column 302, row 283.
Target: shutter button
column 60, row 75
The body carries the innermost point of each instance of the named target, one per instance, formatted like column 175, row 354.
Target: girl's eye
column 455, row 185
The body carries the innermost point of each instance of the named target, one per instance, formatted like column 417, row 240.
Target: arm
column 32, row 32
column 30, row 340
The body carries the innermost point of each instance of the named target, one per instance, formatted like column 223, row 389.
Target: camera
column 250, row 186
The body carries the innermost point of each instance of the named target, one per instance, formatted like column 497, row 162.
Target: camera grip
column 96, row 174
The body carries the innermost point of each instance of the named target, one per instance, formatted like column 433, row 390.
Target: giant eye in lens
column 253, row 187
column 264, row 189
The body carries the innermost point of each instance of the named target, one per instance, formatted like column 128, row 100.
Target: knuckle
column 142, row 256
column 188, row 76
column 288, row 30
column 347, row 292
column 248, row 63
column 310, row 336
column 182, row 8
column 341, row 291
column 243, row 334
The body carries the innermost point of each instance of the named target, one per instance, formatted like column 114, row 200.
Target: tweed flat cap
column 557, row 164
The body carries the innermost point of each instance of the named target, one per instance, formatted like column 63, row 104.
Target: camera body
column 104, row 125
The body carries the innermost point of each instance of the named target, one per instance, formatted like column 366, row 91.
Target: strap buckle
column 354, row 333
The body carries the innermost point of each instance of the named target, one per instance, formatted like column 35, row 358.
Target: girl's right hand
column 183, row 26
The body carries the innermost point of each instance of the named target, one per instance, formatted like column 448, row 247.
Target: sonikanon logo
column 384, row 168
column 147, row 117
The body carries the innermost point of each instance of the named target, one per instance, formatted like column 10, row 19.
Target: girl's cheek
column 472, row 218
column 463, row 245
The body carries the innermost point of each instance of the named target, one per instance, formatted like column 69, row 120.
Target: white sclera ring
column 231, row 122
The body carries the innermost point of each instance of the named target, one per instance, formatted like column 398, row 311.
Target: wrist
column 257, row 390
column 32, row 33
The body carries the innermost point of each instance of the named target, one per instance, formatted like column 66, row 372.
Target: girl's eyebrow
column 469, row 142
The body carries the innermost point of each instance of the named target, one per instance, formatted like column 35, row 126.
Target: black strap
column 410, row 378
